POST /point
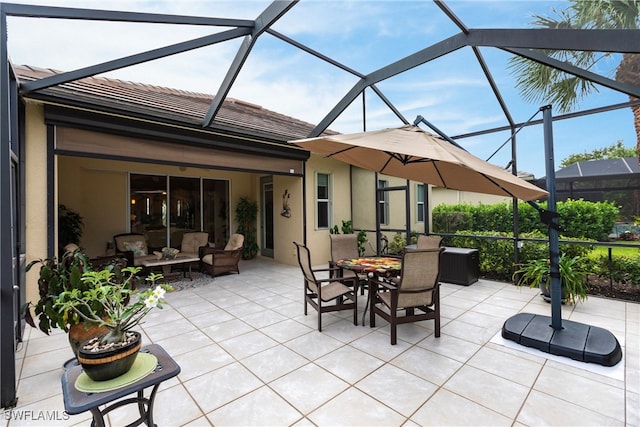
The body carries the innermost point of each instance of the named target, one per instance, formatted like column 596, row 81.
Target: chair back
column 304, row 260
column 235, row 242
column 131, row 242
column 344, row 246
column 428, row 242
column 191, row 242
column 419, row 276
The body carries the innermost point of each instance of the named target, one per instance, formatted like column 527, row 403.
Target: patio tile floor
column 249, row 356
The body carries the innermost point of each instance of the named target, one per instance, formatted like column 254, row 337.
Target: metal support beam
column 138, row 58
column 576, row 71
column 262, row 23
column 554, row 251
column 7, row 338
column 32, row 11
column 621, row 41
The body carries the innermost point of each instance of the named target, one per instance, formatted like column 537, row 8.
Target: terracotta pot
column 80, row 333
column 107, row 364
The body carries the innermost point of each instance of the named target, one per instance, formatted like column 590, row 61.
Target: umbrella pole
column 554, row 270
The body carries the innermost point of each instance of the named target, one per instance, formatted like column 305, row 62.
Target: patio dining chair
column 416, row 292
column 320, row 292
column 428, row 242
column 345, row 246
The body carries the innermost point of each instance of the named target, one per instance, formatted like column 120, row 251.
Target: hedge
column 496, row 255
column 579, row 219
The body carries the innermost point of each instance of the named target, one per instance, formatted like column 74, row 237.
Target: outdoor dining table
column 381, row 267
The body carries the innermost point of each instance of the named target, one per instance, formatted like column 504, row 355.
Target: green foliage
column 623, row 269
column 396, row 246
column 540, row 83
column 54, row 279
column 362, row 239
column 347, row 228
column 69, row 226
column 496, row 255
column 580, row 219
column 112, row 299
column 573, row 276
column 615, row 151
column 246, row 217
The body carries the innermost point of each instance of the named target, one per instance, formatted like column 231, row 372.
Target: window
column 163, row 208
column 323, row 200
column 383, row 206
column 420, row 202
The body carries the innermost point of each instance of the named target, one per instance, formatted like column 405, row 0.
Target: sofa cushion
column 191, row 242
column 138, row 247
column 235, row 242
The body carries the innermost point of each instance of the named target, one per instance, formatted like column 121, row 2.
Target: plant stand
column 77, row 402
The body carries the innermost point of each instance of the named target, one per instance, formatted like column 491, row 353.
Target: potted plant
column 55, row 278
column 70, row 225
column 106, row 302
column 246, row 216
column 573, row 277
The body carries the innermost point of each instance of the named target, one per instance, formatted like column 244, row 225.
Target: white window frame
column 328, row 201
column 384, row 201
column 419, row 202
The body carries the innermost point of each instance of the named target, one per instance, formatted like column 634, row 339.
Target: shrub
column 496, row 255
column 623, row 269
column 579, row 218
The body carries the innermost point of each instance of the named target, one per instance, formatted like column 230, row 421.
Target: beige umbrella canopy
column 412, row 153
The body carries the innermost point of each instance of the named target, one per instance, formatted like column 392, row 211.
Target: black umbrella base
column 575, row 340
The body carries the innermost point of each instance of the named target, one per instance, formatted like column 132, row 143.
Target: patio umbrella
column 412, row 153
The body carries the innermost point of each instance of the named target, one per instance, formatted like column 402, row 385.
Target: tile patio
column 249, row 356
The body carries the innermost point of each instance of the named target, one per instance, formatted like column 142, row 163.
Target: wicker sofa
column 133, row 246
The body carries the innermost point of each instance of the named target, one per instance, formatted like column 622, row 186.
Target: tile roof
column 167, row 104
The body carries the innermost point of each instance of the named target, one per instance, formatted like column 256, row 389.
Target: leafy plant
column 113, row 297
column 347, row 228
column 70, row 226
column 246, row 216
column 56, row 278
column 573, row 277
column 397, row 245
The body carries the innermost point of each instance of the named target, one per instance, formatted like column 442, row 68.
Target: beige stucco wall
column 318, row 239
column 287, row 230
column 441, row 196
column 35, row 193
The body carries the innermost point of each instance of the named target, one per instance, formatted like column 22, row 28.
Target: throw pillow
column 136, row 247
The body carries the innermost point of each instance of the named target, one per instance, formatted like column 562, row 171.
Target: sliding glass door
column 163, row 208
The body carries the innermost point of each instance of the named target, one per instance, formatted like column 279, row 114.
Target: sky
column 451, row 92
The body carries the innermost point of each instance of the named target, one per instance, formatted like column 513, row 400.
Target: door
column 266, row 222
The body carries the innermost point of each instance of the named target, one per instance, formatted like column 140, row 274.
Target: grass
column 617, row 250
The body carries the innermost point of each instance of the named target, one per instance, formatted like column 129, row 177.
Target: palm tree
column 539, row 82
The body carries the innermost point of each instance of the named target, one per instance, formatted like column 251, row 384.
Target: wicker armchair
column 220, row 261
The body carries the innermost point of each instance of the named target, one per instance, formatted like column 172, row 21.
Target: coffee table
column 166, row 264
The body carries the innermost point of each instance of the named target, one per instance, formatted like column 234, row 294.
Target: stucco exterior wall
column 35, row 193
column 318, row 239
column 287, row 230
column 441, row 196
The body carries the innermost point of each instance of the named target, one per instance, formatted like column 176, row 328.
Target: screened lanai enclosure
column 611, row 180
column 356, row 90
